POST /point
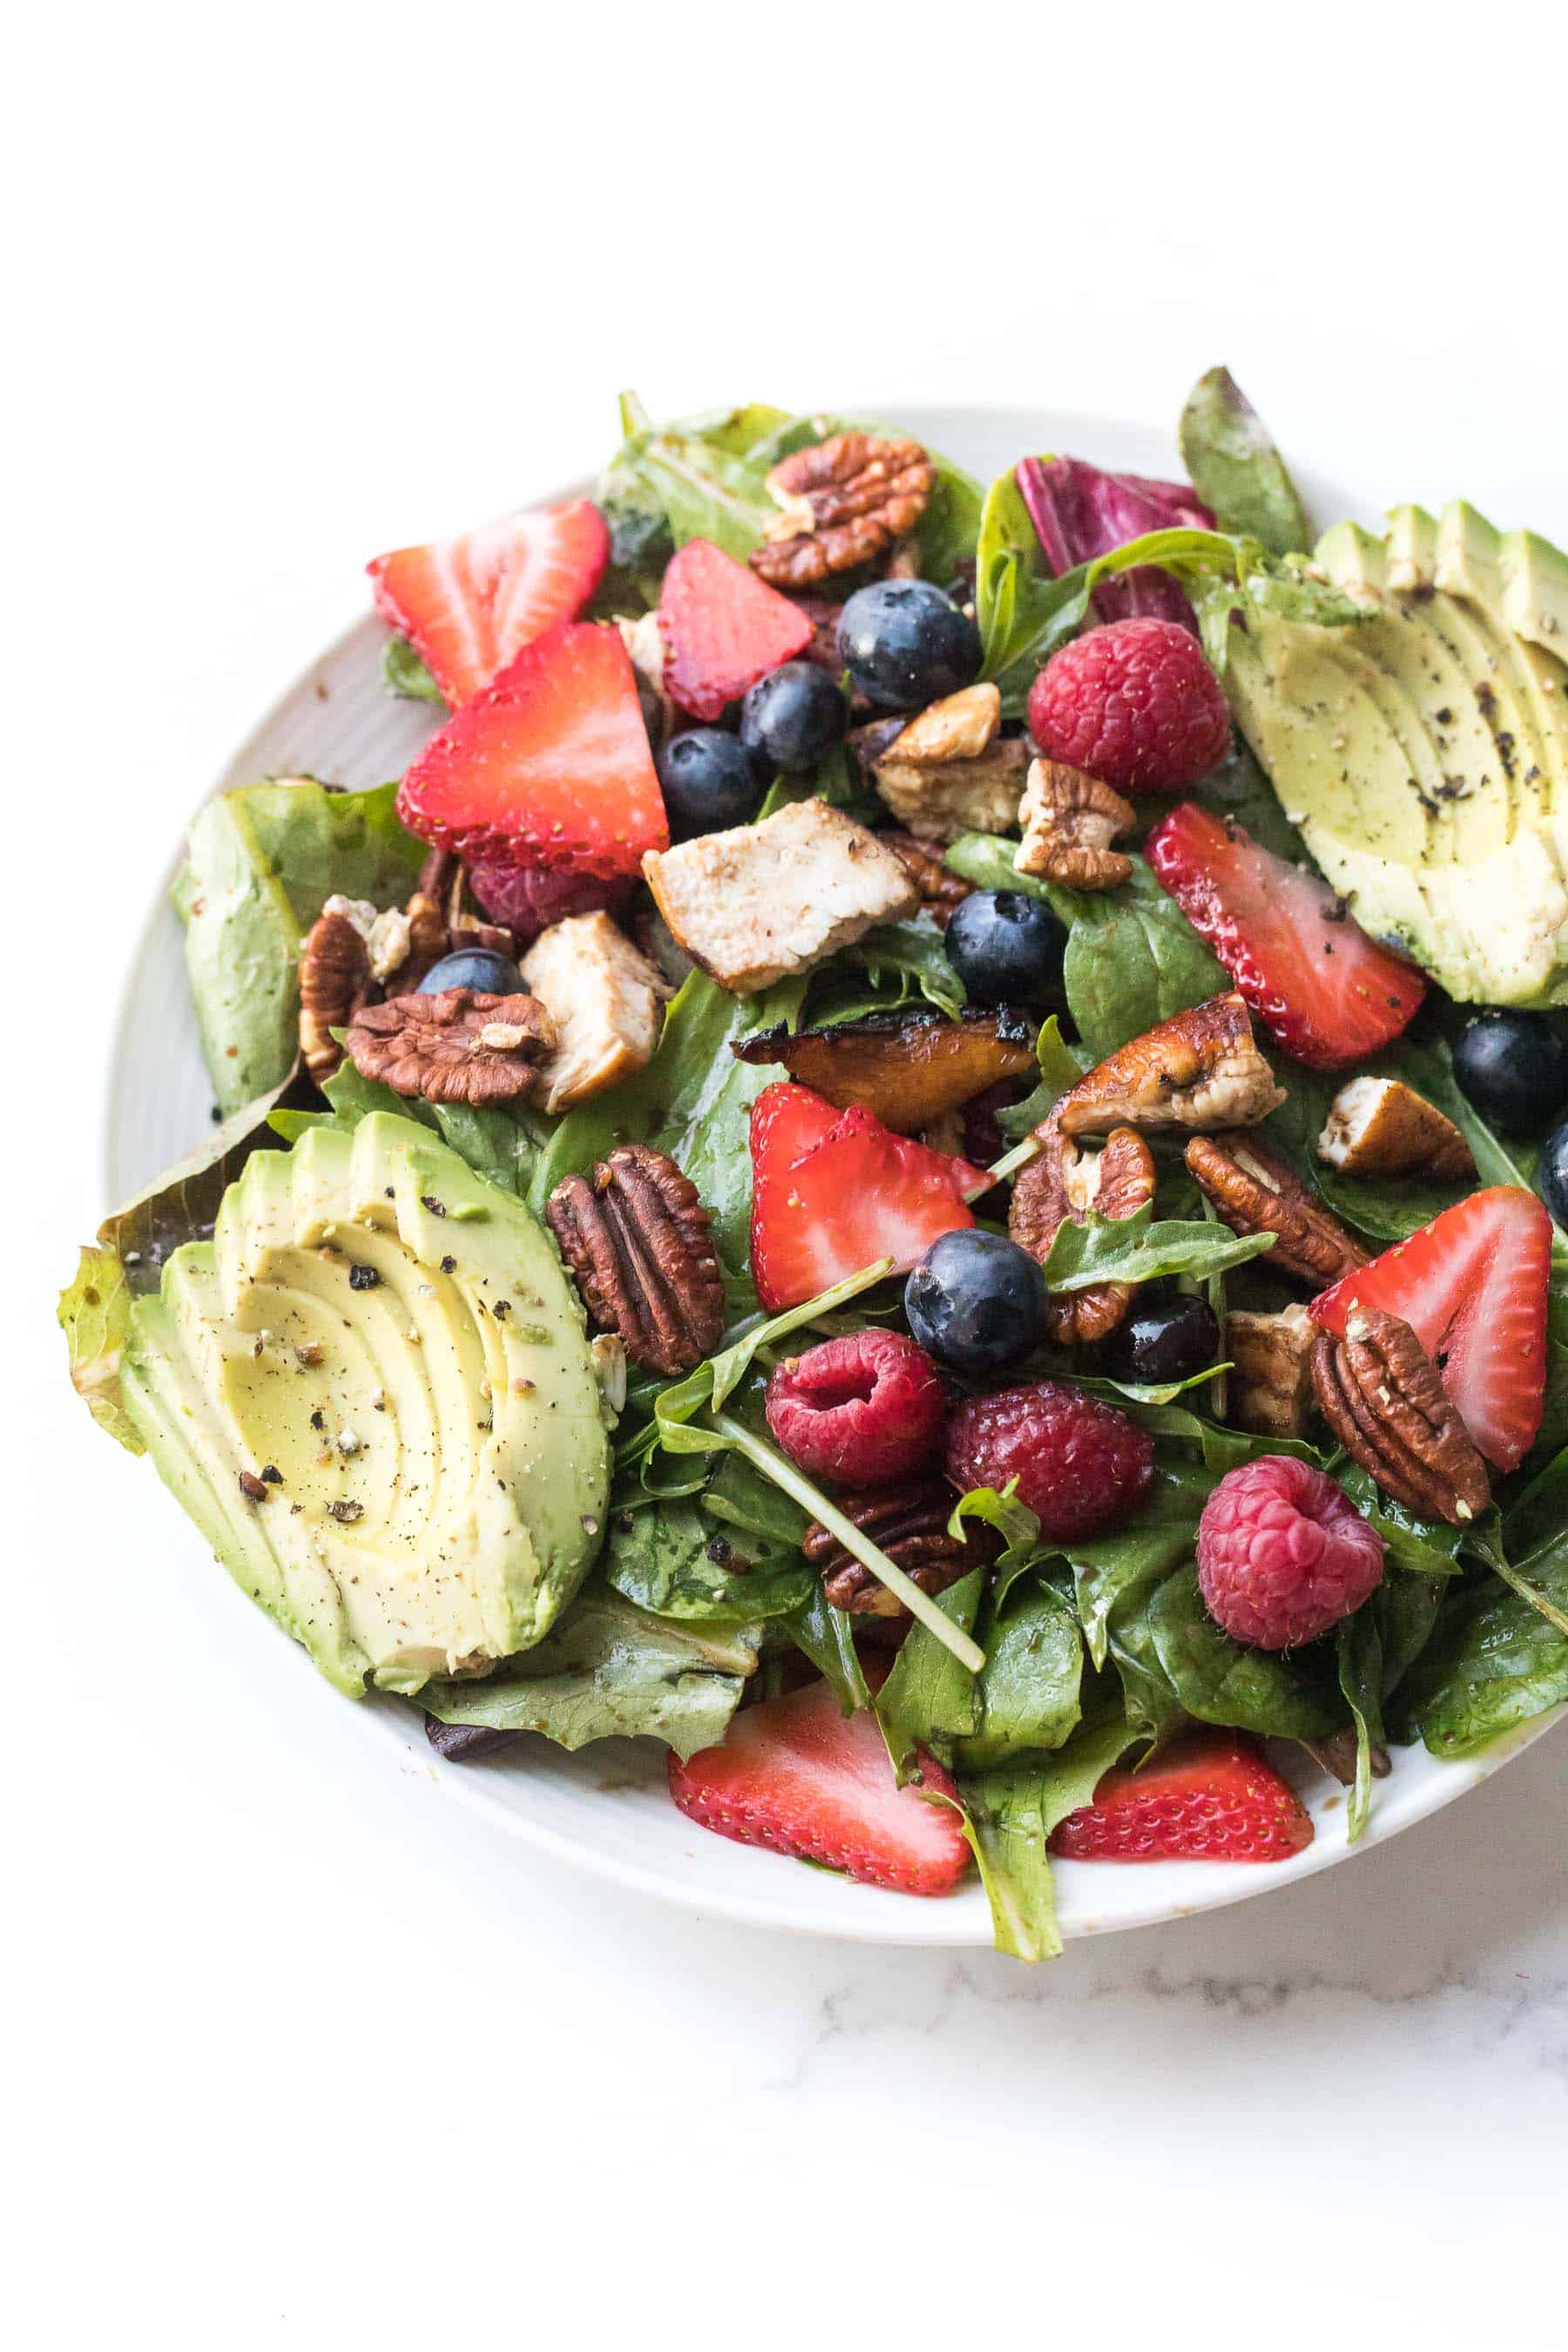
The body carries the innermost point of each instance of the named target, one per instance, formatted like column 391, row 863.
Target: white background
column 299, row 2047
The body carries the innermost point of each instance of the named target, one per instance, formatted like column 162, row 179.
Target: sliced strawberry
column 1325, row 992
column 1210, row 1796
column 833, row 1191
column 468, row 604
column 1472, row 1287
column 551, row 766
column 723, row 627
column 797, row 1776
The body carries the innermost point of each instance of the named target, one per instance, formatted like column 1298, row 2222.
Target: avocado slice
column 372, row 1391
column 1423, row 750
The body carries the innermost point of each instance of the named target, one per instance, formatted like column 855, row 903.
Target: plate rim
column 959, row 1923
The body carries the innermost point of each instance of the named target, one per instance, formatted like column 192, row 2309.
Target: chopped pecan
column 1069, row 820
column 1061, row 1181
column 911, row 1528
column 1256, row 1191
column 439, row 919
column 1381, row 1394
column 842, row 501
column 336, row 983
column 459, row 1045
column 940, row 891
column 640, row 1248
column 1273, row 1359
column 949, row 770
column 1199, row 1069
column 1381, row 1127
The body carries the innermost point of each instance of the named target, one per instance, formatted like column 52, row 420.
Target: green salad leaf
column 1030, row 1692
column 1142, row 1248
column 671, row 1557
column 929, row 1700
column 1009, row 1814
column 1235, row 468
column 407, row 672
column 260, row 865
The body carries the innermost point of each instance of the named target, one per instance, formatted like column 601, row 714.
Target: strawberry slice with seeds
column 1324, row 990
column 795, row 1775
column 1210, row 1796
column 550, row 767
column 723, row 628
column 1472, row 1286
column 469, row 605
column 833, row 1191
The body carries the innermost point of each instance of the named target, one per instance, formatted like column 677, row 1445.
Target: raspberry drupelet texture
column 1283, row 1553
column 1081, row 1464
column 865, row 1408
column 1134, row 703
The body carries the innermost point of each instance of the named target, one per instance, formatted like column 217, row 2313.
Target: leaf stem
column 1011, row 1161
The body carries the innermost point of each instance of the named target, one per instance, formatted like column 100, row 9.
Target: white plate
column 607, row 1809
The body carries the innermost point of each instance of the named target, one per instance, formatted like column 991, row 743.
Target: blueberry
column 1007, row 946
column 485, row 970
column 905, row 643
column 793, row 718
column 711, row 781
column 974, row 1301
column 1164, row 1340
column 1551, row 1175
column 1514, row 1069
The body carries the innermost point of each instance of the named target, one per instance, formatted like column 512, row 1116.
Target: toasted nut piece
column 1381, row 1394
column 336, row 983
column 607, row 1001
column 1381, row 1127
column 457, row 1046
column 911, row 1528
column 640, row 1248
column 1256, row 1191
column 940, row 891
column 1273, row 1380
column 1337, row 1755
column 960, row 726
column 1199, row 1069
column 844, row 500
column 948, row 771
column 1061, row 1181
column 1069, row 820
column 909, row 1069
column 775, row 897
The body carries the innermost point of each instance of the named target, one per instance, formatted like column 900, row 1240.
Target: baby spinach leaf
column 929, row 1700
column 1422, row 1546
column 1029, row 1692
column 914, row 951
column 502, row 1144
column 674, row 1559
column 1235, row 468
column 826, row 1636
column 607, row 1670
column 1140, row 1248
column 1009, row 1814
column 405, row 672
column 260, row 865
column 1272, row 1694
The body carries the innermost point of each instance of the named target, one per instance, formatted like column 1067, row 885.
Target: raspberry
column 528, row 899
column 1136, row 704
column 1081, row 1464
column 867, row 1408
column 1283, row 1553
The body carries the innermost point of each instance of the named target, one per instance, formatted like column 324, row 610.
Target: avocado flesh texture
column 474, row 1440
column 1423, row 750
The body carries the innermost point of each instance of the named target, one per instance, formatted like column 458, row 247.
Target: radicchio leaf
column 1079, row 512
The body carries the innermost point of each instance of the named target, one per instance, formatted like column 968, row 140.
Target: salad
column 922, row 1155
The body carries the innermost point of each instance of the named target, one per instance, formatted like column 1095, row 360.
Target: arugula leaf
column 1132, row 957
column 1029, row 1694
column 1140, row 1248
column 827, row 1637
column 1009, row 1814
column 929, row 1700
column 260, row 865
column 913, row 948
column 702, row 473
column 405, row 672
column 671, row 1559
column 1060, row 1068
column 1235, row 468
column 610, row 1670
column 1019, row 1527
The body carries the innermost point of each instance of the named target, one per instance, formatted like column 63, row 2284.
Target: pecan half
column 910, row 1527
column 1069, row 820
column 459, row 1045
column 335, row 984
column 940, row 891
column 439, row 919
column 1061, row 1181
column 1381, row 1394
column 1256, row 1191
column 842, row 501
column 1199, row 1069
column 1381, row 1127
column 1273, row 1377
column 640, row 1247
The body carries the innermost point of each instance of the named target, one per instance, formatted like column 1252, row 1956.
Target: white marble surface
column 298, row 2049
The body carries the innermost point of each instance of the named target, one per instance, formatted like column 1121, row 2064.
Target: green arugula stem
column 1011, row 1161
column 919, row 1604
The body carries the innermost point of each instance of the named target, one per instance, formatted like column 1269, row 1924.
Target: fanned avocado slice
column 372, row 1391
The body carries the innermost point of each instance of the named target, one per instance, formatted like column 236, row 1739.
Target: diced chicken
column 1272, row 1381
column 765, row 900
column 607, row 1001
